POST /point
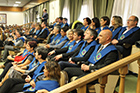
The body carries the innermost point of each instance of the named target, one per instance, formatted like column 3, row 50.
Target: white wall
column 53, row 10
column 14, row 17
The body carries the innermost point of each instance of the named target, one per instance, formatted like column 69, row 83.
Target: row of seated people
column 32, row 73
column 79, row 57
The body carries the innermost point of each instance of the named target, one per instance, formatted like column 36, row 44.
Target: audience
column 65, row 50
column 127, row 36
column 104, row 54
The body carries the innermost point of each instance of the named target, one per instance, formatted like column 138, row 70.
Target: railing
column 80, row 84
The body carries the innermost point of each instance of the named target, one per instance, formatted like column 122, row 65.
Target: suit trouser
column 7, row 48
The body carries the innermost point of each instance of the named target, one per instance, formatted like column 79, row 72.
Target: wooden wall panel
column 13, row 9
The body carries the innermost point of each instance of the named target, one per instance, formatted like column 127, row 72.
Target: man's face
column 36, row 55
column 102, row 37
column 75, row 37
column 55, row 30
column 64, row 21
column 131, row 21
column 87, row 35
column 62, row 33
column 42, row 25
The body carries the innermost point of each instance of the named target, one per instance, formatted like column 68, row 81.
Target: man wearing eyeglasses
column 128, row 36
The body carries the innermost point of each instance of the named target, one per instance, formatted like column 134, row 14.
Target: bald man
column 104, row 54
column 128, row 36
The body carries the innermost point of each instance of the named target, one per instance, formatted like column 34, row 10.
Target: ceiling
column 10, row 3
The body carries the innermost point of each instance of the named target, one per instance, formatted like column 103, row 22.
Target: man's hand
column 58, row 57
column 84, row 67
column 42, row 91
column 32, row 83
column 70, row 61
column 47, row 46
column 52, row 52
column 114, row 41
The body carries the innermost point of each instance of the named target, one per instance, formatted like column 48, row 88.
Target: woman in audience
column 49, row 83
column 105, row 21
column 27, row 60
column 116, row 26
column 95, row 24
column 69, row 33
column 51, row 72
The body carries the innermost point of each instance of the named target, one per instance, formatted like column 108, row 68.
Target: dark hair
column 54, row 70
column 27, row 40
column 136, row 19
column 96, row 21
column 32, row 44
column 93, row 33
column 45, row 9
column 106, row 18
column 79, row 33
column 19, row 31
column 61, row 18
column 42, row 51
column 45, row 23
column 39, row 26
column 65, row 28
column 65, row 19
column 88, row 20
column 58, row 27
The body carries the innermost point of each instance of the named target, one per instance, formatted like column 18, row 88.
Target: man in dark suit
column 43, row 33
column 104, row 54
column 45, row 15
column 128, row 36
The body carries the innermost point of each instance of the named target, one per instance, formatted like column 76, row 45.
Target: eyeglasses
column 130, row 20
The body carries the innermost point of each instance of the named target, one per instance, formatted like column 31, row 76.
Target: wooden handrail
column 97, row 74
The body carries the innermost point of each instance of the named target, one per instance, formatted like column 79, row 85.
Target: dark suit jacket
column 45, row 16
column 106, row 60
column 131, row 39
column 44, row 34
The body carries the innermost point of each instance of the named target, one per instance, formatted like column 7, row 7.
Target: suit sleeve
column 109, row 58
column 66, row 55
column 44, row 34
column 85, row 58
column 131, row 40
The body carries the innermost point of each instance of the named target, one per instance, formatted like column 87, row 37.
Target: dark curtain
column 75, row 9
column 103, row 8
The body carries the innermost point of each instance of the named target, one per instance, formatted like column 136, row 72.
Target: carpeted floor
column 130, row 84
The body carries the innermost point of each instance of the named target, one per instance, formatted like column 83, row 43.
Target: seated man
column 42, row 34
column 60, row 41
column 54, row 34
column 128, row 36
column 17, row 41
column 73, row 47
column 31, row 30
column 85, row 51
column 104, row 54
column 86, row 23
column 65, row 20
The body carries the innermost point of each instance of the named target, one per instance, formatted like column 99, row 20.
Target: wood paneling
column 30, row 4
column 13, row 9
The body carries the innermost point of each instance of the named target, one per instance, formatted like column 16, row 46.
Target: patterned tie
column 101, row 48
